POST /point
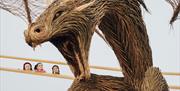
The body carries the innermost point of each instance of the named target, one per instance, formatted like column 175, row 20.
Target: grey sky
column 165, row 43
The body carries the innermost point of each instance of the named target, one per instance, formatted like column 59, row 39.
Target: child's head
column 27, row 66
column 55, row 69
column 38, row 66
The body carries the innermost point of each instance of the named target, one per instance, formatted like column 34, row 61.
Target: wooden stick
column 37, row 73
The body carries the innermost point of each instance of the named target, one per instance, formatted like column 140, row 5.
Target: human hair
column 35, row 67
column 53, row 70
column 25, row 64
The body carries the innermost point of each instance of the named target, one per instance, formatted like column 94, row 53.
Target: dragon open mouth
column 69, row 47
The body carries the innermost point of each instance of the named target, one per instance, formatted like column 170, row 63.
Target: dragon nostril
column 37, row 30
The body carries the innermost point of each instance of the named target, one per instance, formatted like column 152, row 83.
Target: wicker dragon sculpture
column 69, row 25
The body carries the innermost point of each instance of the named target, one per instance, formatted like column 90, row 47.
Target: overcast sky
column 164, row 41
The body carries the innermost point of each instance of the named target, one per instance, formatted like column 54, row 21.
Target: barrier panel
column 52, row 75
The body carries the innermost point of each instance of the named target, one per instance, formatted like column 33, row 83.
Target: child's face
column 27, row 67
column 55, row 69
column 40, row 66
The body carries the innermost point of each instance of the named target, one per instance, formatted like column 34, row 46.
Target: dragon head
column 65, row 25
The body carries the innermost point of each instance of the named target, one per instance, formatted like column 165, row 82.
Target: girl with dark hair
column 39, row 68
column 55, row 69
column 27, row 66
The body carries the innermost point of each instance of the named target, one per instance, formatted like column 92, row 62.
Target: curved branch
column 27, row 11
column 176, row 7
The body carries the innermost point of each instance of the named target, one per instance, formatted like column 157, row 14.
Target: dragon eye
column 57, row 14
